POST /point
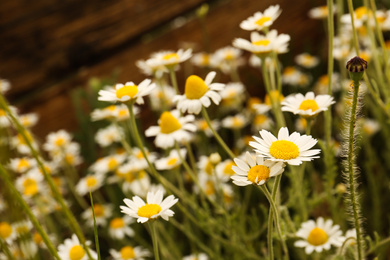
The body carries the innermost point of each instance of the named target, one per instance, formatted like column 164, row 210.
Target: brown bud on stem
column 356, row 67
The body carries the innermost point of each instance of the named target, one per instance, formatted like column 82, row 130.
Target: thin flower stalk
column 172, row 75
column 216, row 135
column 152, row 227
column 27, row 210
column 354, row 32
column 57, row 195
column 95, row 231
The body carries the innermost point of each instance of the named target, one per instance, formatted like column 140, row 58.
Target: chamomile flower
column 89, row 183
column 133, row 178
column 369, row 126
column 30, row 184
column 227, row 59
column 202, row 126
column 119, row 227
column 201, row 59
column 22, row 228
column 113, row 112
column 170, row 59
column 21, row 165
column 321, row 86
column 224, row 170
column 172, row 128
column 108, row 135
column 57, row 141
column 255, row 170
column 4, row 86
column 306, row 60
column 139, row 160
column 172, row 161
column 28, row 120
column 72, row 249
column 197, row 93
column 319, row 235
column 108, row 163
column 162, row 97
column 351, row 236
column 19, row 142
column 307, row 106
column 320, row 12
column 260, row 21
column 127, row 92
column 102, row 213
column 29, row 249
column 264, row 44
column 199, row 256
column 292, row 149
column 234, row 122
column 232, row 95
column 154, row 208
column 261, row 121
column 7, row 232
column 130, row 253
column 151, row 68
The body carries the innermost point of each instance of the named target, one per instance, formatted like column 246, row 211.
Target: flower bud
column 356, row 67
column 215, row 158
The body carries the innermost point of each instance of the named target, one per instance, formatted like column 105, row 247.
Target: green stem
column 6, row 250
column 354, row 33
column 216, row 135
column 28, row 211
column 351, row 171
column 57, row 195
column 172, row 75
column 123, row 139
column 154, row 240
column 95, row 231
column 328, row 113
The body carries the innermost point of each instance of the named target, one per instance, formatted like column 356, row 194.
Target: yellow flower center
column 324, row 10
column 168, row 123
column 5, row 230
column 203, row 125
column 117, row 223
column 91, row 181
column 99, row 210
column 284, row 150
column 209, row 168
column 170, row 56
column 60, row 141
column 23, row 163
column 130, row 177
column 317, row 237
column 237, row 122
column 309, row 104
column 112, row 164
column 37, row 238
column 148, row 210
column 209, row 190
column 195, row 87
column 289, row 70
column 111, row 108
column 360, row 12
column 127, row 90
column 275, row 96
column 264, row 42
column 22, row 230
column 258, row 173
column 172, row 161
column 127, row 252
column 263, row 20
column 76, row 253
column 69, row 158
column 260, row 119
column 2, row 112
column 324, row 80
column 30, row 187
column 228, row 168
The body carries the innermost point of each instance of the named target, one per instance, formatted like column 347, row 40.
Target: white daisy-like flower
column 319, row 235
column 102, row 213
column 30, row 184
column 20, row 143
column 260, row 21
column 172, row 161
column 127, row 92
column 119, row 227
column 226, row 59
column 307, row 105
column 262, row 45
column 133, row 178
column 162, row 97
column 320, row 12
column 138, row 159
column 351, row 236
column 72, row 249
column 369, row 126
column 28, row 120
column 205, row 165
column 262, row 121
column 7, row 232
column 255, row 170
column 108, row 135
column 306, row 60
column 4, row 121
column 154, row 208
column 22, row 228
column 151, row 68
column 69, row 155
column 197, row 93
column 292, row 149
column 108, row 163
column 204, row 127
column 4, row 86
column 201, row 59
column 293, row 76
column 234, row 122
column 29, row 249
column 321, row 86
column 232, row 95
column 23, row 164
column 130, row 253
column 170, row 59
column 172, row 128
column 199, row 256
column 57, row 141
column 113, row 112
column 224, row 170
column 361, row 15
column 89, row 183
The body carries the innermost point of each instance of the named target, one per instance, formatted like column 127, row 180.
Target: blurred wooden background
column 50, row 47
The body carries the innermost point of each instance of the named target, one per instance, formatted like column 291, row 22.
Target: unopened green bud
column 356, row 67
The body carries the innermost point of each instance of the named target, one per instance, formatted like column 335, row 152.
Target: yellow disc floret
column 90, row 181
column 263, row 20
column 172, row 161
column 309, row 104
column 168, row 123
column 127, row 90
column 149, row 210
column 195, row 87
column 117, row 223
column 228, row 168
column 264, row 42
column 317, row 237
column 285, row 150
column 30, row 187
column 127, row 252
column 258, row 173
column 170, row 56
column 76, row 253
column 99, row 210
column 5, row 230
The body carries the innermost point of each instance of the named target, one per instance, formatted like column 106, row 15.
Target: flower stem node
column 356, row 67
